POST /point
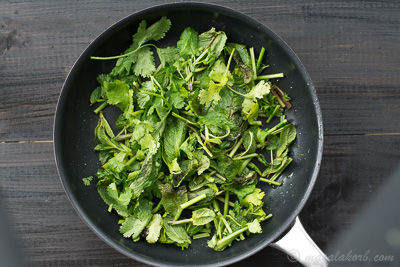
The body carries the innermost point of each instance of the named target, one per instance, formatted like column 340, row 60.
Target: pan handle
column 300, row 247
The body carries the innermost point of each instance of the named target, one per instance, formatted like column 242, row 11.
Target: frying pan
column 75, row 122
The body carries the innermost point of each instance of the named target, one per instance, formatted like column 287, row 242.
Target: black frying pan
column 75, row 122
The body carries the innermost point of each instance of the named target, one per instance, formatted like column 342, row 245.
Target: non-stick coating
column 75, row 123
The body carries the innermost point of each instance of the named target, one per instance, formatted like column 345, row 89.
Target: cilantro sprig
column 196, row 136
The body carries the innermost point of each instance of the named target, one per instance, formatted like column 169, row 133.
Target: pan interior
column 75, row 123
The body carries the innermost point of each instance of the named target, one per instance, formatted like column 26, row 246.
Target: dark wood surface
column 350, row 48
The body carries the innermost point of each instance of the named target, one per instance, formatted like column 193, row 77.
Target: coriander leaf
column 187, row 43
column 154, row 227
column 117, row 94
column 168, row 55
column 253, row 199
column 212, row 93
column 153, row 33
column 87, row 180
column 254, row 227
column 134, row 225
column 175, row 99
column 257, row 92
column 144, row 62
column 241, row 191
column 220, row 74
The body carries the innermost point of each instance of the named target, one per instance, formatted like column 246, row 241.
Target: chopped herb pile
column 184, row 158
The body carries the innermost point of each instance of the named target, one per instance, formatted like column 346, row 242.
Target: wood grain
column 350, row 48
column 52, row 234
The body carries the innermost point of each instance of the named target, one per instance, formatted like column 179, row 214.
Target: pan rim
column 209, row 7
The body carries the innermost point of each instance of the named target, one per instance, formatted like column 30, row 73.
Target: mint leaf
column 116, row 200
column 174, row 136
column 148, row 172
column 172, row 200
column 203, row 216
column 187, row 43
column 213, row 40
column 176, row 233
column 287, row 136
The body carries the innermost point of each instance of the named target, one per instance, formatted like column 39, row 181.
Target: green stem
column 236, row 147
column 223, row 136
column 229, row 62
column 225, row 241
column 200, row 57
column 123, row 137
column 157, row 95
column 184, row 119
column 157, row 208
column 273, row 114
column 276, row 175
column 225, row 222
column 253, row 63
column 251, row 142
column 244, row 164
column 202, row 235
column 124, row 55
column 102, row 106
column 226, row 203
column 193, row 201
column 201, row 69
column 230, row 203
column 270, row 182
column 131, row 160
column 155, row 81
column 180, row 221
column 271, row 76
column 235, row 91
column 216, row 206
column 254, row 155
column 260, row 57
column 276, row 127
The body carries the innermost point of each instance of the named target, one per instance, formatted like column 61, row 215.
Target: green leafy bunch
column 195, row 136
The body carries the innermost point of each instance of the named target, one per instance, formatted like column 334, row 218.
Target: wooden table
column 350, row 48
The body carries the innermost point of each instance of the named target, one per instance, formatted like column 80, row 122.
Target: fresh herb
column 195, row 136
